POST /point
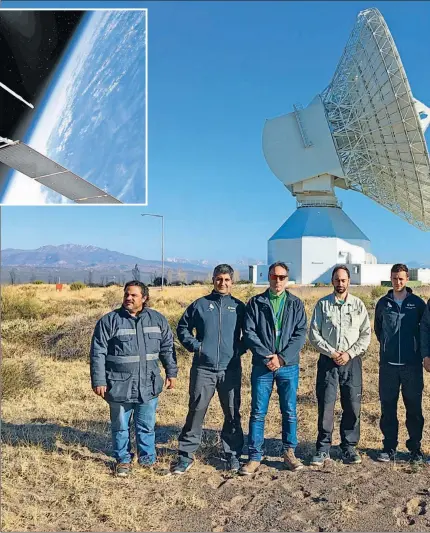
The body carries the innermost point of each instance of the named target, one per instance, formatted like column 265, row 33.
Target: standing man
column 275, row 332
column 126, row 346
column 217, row 346
column 340, row 331
column 397, row 326
column 425, row 337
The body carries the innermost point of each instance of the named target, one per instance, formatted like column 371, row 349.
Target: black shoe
column 320, row 458
column 386, row 456
column 182, row 465
column 417, row 457
column 350, row 456
column 233, row 464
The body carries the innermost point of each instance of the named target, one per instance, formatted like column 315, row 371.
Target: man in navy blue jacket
column 275, row 332
column 218, row 320
column 397, row 326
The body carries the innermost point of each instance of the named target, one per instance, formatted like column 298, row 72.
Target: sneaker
column 249, row 468
column 290, row 460
column 233, row 464
column 182, row 465
column 417, row 457
column 386, row 456
column 123, row 469
column 351, row 457
column 320, row 458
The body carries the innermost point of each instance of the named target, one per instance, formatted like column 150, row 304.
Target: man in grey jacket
column 340, row 331
column 126, row 346
column 217, row 320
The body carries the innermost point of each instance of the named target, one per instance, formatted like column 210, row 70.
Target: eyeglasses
column 274, row 277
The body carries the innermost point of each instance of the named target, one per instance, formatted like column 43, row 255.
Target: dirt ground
column 56, row 453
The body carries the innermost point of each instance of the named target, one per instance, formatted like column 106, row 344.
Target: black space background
column 31, row 45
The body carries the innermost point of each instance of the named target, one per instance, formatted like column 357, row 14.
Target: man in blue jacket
column 125, row 349
column 217, row 347
column 397, row 326
column 275, row 332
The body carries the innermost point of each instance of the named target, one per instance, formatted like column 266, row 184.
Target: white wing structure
column 36, row 166
column 365, row 132
column 24, row 159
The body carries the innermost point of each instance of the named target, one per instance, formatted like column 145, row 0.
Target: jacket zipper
column 219, row 334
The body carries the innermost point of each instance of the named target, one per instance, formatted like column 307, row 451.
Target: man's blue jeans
column 144, row 424
column 262, row 380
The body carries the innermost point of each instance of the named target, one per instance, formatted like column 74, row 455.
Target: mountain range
column 73, row 260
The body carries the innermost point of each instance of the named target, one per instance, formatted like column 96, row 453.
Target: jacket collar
column 265, row 296
column 390, row 293
column 347, row 301
column 216, row 296
column 126, row 314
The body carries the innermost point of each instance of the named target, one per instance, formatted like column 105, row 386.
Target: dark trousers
column 349, row 379
column 203, row 384
column 408, row 378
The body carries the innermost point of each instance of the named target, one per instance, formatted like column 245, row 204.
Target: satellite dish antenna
column 45, row 171
column 364, row 132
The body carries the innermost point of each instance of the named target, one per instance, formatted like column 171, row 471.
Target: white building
column 316, row 239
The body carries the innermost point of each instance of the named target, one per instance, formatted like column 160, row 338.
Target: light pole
column 162, row 244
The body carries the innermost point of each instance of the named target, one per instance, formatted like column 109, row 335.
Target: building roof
column 319, row 222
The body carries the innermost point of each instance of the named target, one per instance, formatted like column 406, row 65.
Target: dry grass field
column 56, row 463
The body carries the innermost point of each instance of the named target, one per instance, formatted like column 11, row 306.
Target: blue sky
column 217, row 70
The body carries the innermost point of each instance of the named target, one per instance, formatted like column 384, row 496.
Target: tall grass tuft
column 18, row 376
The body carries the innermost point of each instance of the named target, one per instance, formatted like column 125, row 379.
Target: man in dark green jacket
column 397, row 326
column 217, row 320
column 125, row 349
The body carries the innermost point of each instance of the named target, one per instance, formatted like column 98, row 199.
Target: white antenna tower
column 364, row 132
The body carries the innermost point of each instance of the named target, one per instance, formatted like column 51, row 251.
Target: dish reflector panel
column 376, row 124
column 24, row 159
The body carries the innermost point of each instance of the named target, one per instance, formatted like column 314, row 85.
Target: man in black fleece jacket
column 218, row 320
column 397, row 326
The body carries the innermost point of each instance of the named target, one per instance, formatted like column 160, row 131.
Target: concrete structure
column 420, row 274
column 369, row 274
column 315, row 239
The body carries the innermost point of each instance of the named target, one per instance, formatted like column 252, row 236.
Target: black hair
column 278, row 264
column 223, row 269
column 144, row 289
column 340, row 267
column 399, row 267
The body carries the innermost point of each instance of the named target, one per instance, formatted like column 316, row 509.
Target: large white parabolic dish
column 372, row 137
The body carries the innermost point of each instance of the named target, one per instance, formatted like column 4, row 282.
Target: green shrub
column 368, row 301
column 77, row 286
column 21, row 306
column 17, row 376
column 378, row 291
column 37, row 282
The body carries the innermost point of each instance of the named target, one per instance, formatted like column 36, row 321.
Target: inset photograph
column 73, row 107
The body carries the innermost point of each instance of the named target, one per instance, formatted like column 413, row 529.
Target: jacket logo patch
column 410, row 306
column 389, row 305
column 211, row 307
column 231, row 308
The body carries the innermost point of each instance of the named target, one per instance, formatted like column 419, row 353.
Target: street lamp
column 162, row 244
